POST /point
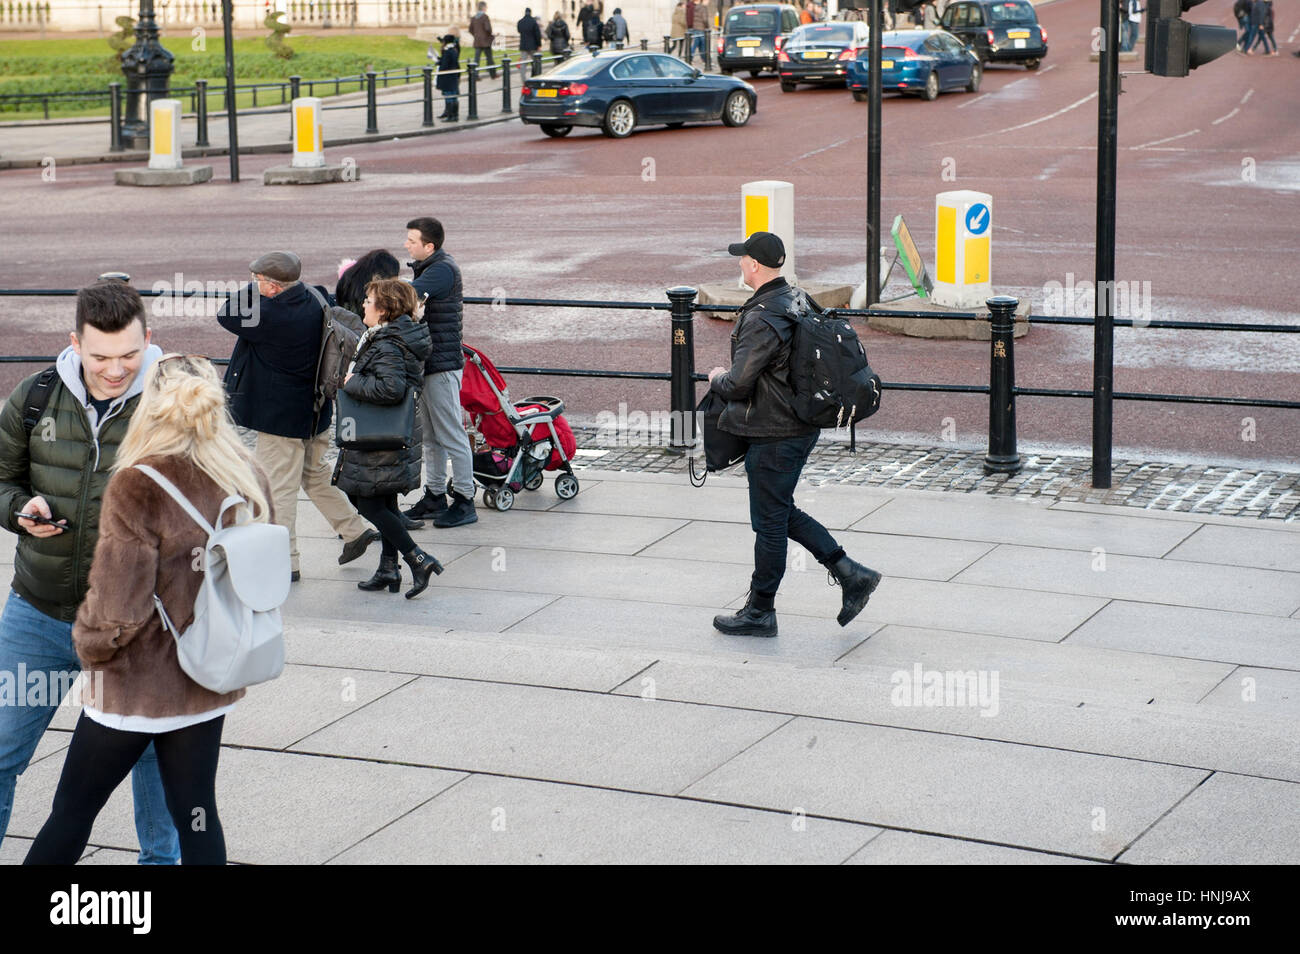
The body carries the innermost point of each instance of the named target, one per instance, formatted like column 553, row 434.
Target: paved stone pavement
column 1038, row 680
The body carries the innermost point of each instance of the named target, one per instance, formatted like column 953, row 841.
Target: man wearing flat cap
column 272, row 386
column 759, row 393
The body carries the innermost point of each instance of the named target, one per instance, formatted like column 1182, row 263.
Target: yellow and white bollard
column 768, row 206
column 963, row 229
column 308, row 142
column 165, row 134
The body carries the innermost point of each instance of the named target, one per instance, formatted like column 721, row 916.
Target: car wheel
column 976, row 74
column 755, row 74
column 931, row 86
column 787, row 87
column 1033, row 64
column 861, row 95
column 725, row 71
column 736, row 110
column 556, row 130
column 620, row 120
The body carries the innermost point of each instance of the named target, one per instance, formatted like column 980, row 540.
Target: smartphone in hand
column 37, row 518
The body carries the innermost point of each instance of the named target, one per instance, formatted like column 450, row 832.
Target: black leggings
column 99, row 758
column 383, row 513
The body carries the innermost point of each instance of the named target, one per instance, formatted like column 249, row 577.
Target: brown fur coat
column 147, row 544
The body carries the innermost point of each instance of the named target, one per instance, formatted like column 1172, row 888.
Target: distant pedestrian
column 590, row 25
column 480, row 28
column 557, row 32
column 140, row 695
column 1241, row 10
column 1254, row 25
column 271, row 381
column 449, row 75
column 621, row 34
column 1264, row 30
column 389, row 362
column 697, row 23
column 1132, row 24
column 530, row 40
column 759, row 395
column 679, row 26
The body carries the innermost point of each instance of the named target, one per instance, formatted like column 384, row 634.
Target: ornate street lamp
column 148, row 69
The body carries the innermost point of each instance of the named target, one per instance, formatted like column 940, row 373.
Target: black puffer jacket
column 757, row 389
column 438, row 276
column 383, row 372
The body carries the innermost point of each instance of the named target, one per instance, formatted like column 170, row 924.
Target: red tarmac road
column 1209, row 174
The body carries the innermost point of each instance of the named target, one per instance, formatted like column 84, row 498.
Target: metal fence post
column 428, row 96
column 645, row 43
column 201, row 111
column 115, row 117
column 472, row 72
column 1002, row 457
column 682, row 385
column 372, row 106
column 505, row 85
column 537, row 64
column 295, row 85
column 668, row 43
column 708, row 50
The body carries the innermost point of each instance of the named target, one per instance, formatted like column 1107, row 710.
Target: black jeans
column 773, row 470
column 387, row 518
column 97, row 761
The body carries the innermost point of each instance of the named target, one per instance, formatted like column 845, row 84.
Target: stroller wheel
column 503, row 499
column 534, row 481
column 566, row 486
column 490, row 497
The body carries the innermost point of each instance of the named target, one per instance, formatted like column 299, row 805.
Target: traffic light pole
column 1103, row 348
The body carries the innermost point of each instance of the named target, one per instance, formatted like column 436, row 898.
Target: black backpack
column 610, row 29
column 833, row 383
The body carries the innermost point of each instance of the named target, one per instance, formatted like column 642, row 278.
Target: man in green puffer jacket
column 59, row 471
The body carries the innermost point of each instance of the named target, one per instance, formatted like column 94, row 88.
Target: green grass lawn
column 76, row 65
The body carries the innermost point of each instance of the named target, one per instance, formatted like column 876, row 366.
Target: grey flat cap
column 282, row 267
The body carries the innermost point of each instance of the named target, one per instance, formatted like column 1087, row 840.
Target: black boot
column 422, row 567
column 430, row 505
column 458, row 514
column 858, row 582
column 388, row 574
column 453, row 112
column 756, row 618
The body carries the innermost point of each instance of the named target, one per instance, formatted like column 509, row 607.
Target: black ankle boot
column 756, row 618
column 422, row 567
column 388, row 574
column 858, row 582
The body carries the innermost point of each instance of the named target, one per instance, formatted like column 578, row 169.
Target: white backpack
column 237, row 637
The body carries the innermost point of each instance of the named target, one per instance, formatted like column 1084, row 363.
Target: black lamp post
column 148, row 69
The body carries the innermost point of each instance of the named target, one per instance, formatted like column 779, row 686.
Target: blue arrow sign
column 977, row 219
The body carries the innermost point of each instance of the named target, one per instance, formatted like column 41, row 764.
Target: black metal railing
column 682, row 377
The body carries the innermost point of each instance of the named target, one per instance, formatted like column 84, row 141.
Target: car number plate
column 1018, row 34
column 816, row 55
column 1020, row 44
column 749, row 43
column 548, row 93
column 886, row 64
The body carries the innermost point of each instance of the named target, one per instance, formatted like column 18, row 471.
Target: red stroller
column 522, row 440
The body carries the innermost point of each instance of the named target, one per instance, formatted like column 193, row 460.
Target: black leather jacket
column 757, row 389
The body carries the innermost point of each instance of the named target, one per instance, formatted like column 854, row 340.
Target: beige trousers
column 293, row 462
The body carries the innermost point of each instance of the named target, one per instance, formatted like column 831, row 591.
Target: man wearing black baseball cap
column 759, row 393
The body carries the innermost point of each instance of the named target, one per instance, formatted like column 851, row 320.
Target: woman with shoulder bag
column 389, row 363
column 136, row 691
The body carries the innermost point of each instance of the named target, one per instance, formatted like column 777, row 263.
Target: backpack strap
column 38, row 398
column 184, row 502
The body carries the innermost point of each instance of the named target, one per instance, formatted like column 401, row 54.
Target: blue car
column 925, row 62
column 619, row 90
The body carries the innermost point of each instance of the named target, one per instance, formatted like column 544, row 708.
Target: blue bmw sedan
column 925, row 62
column 620, row 90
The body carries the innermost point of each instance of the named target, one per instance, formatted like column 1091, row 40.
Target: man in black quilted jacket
column 760, row 407
column 437, row 276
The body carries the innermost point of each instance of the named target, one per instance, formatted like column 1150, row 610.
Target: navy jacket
column 438, row 276
column 272, row 375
